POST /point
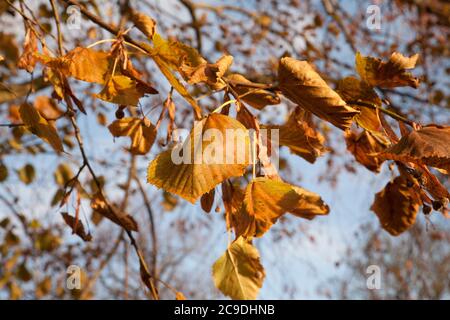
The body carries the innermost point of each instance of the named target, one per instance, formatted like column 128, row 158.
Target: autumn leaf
column 388, row 74
column 144, row 23
column 301, row 84
column 397, row 205
column 300, row 137
column 123, row 90
column 201, row 169
column 207, row 200
column 47, row 107
column 84, row 64
column 238, row 273
column 365, row 148
column 63, row 174
column 256, row 98
column 232, row 197
column 28, row 60
column 40, row 127
column 76, row 226
column 180, row 296
column 353, row 90
column 99, row 205
column 141, row 132
column 209, row 73
column 428, row 145
column 27, row 173
column 266, row 200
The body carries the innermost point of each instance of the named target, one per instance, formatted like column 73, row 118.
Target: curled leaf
column 238, row 273
column 207, row 200
column 257, row 98
column 397, row 205
column 144, row 23
column 209, row 73
column 76, row 226
column 387, row 74
column 123, row 90
column 301, row 84
column 141, row 132
column 428, row 145
column 266, row 200
column 365, row 148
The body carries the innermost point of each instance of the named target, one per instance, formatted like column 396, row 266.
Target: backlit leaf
column 123, row 90
column 141, row 132
column 238, row 273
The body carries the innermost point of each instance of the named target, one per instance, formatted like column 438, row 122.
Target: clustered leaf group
column 251, row 210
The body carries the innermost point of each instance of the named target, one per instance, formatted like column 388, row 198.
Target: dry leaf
column 232, row 197
column 257, row 98
column 209, row 73
column 387, row 74
column 40, row 127
column 301, row 138
column 303, row 85
column 123, row 219
column 28, row 59
column 141, row 132
column 397, row 205
column 144, row 23
column 180, row 296
column 365, row 148
column 429, row 146
column 238, row 273
column 266, row 200
column 47, row 107
column 194, row 176
column 76, row 226
column 207, row 200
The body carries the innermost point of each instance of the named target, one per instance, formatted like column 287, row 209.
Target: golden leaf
column 429, row 146
column 301, row 138
column 198, row 171
column 141, row 132
column 27, row 173
column 63, row 174
column 256, row 98
column 238, row 273
column 397, row 205
column 83, row 64
column 266, row 200
column 123, row 90
column 180, row 296
column 303, row 85
column 365, row 148
column 40, row 127
column 387, row 74
column 209, row 73
column 47, row 107
column 144, row 23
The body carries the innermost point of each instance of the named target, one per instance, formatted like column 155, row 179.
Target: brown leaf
column 209, row 73
column 76, row 226
column 303, row 85
column 123, row 219
column 232, row 197
column 28, row 59
column 141, row 132
column 429, row 146
column 47, row 107
column 123, row 90
column 207, row 200
column 397, row 205
column 387, row 74
column 256, row 98
column 365, row 148
column 300, row 137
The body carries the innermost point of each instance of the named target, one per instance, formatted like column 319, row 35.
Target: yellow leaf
column 266, row 200
column 123, row 90
column 27, row 174
column 198, row 170
column 209, row 73
column 397, row 205
column 303, row 85
column 180, row 296
column 387, row 74
column 141, row 132
column 63, row 174
column 238, row 273
column 257, row 98
column 40, row 127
